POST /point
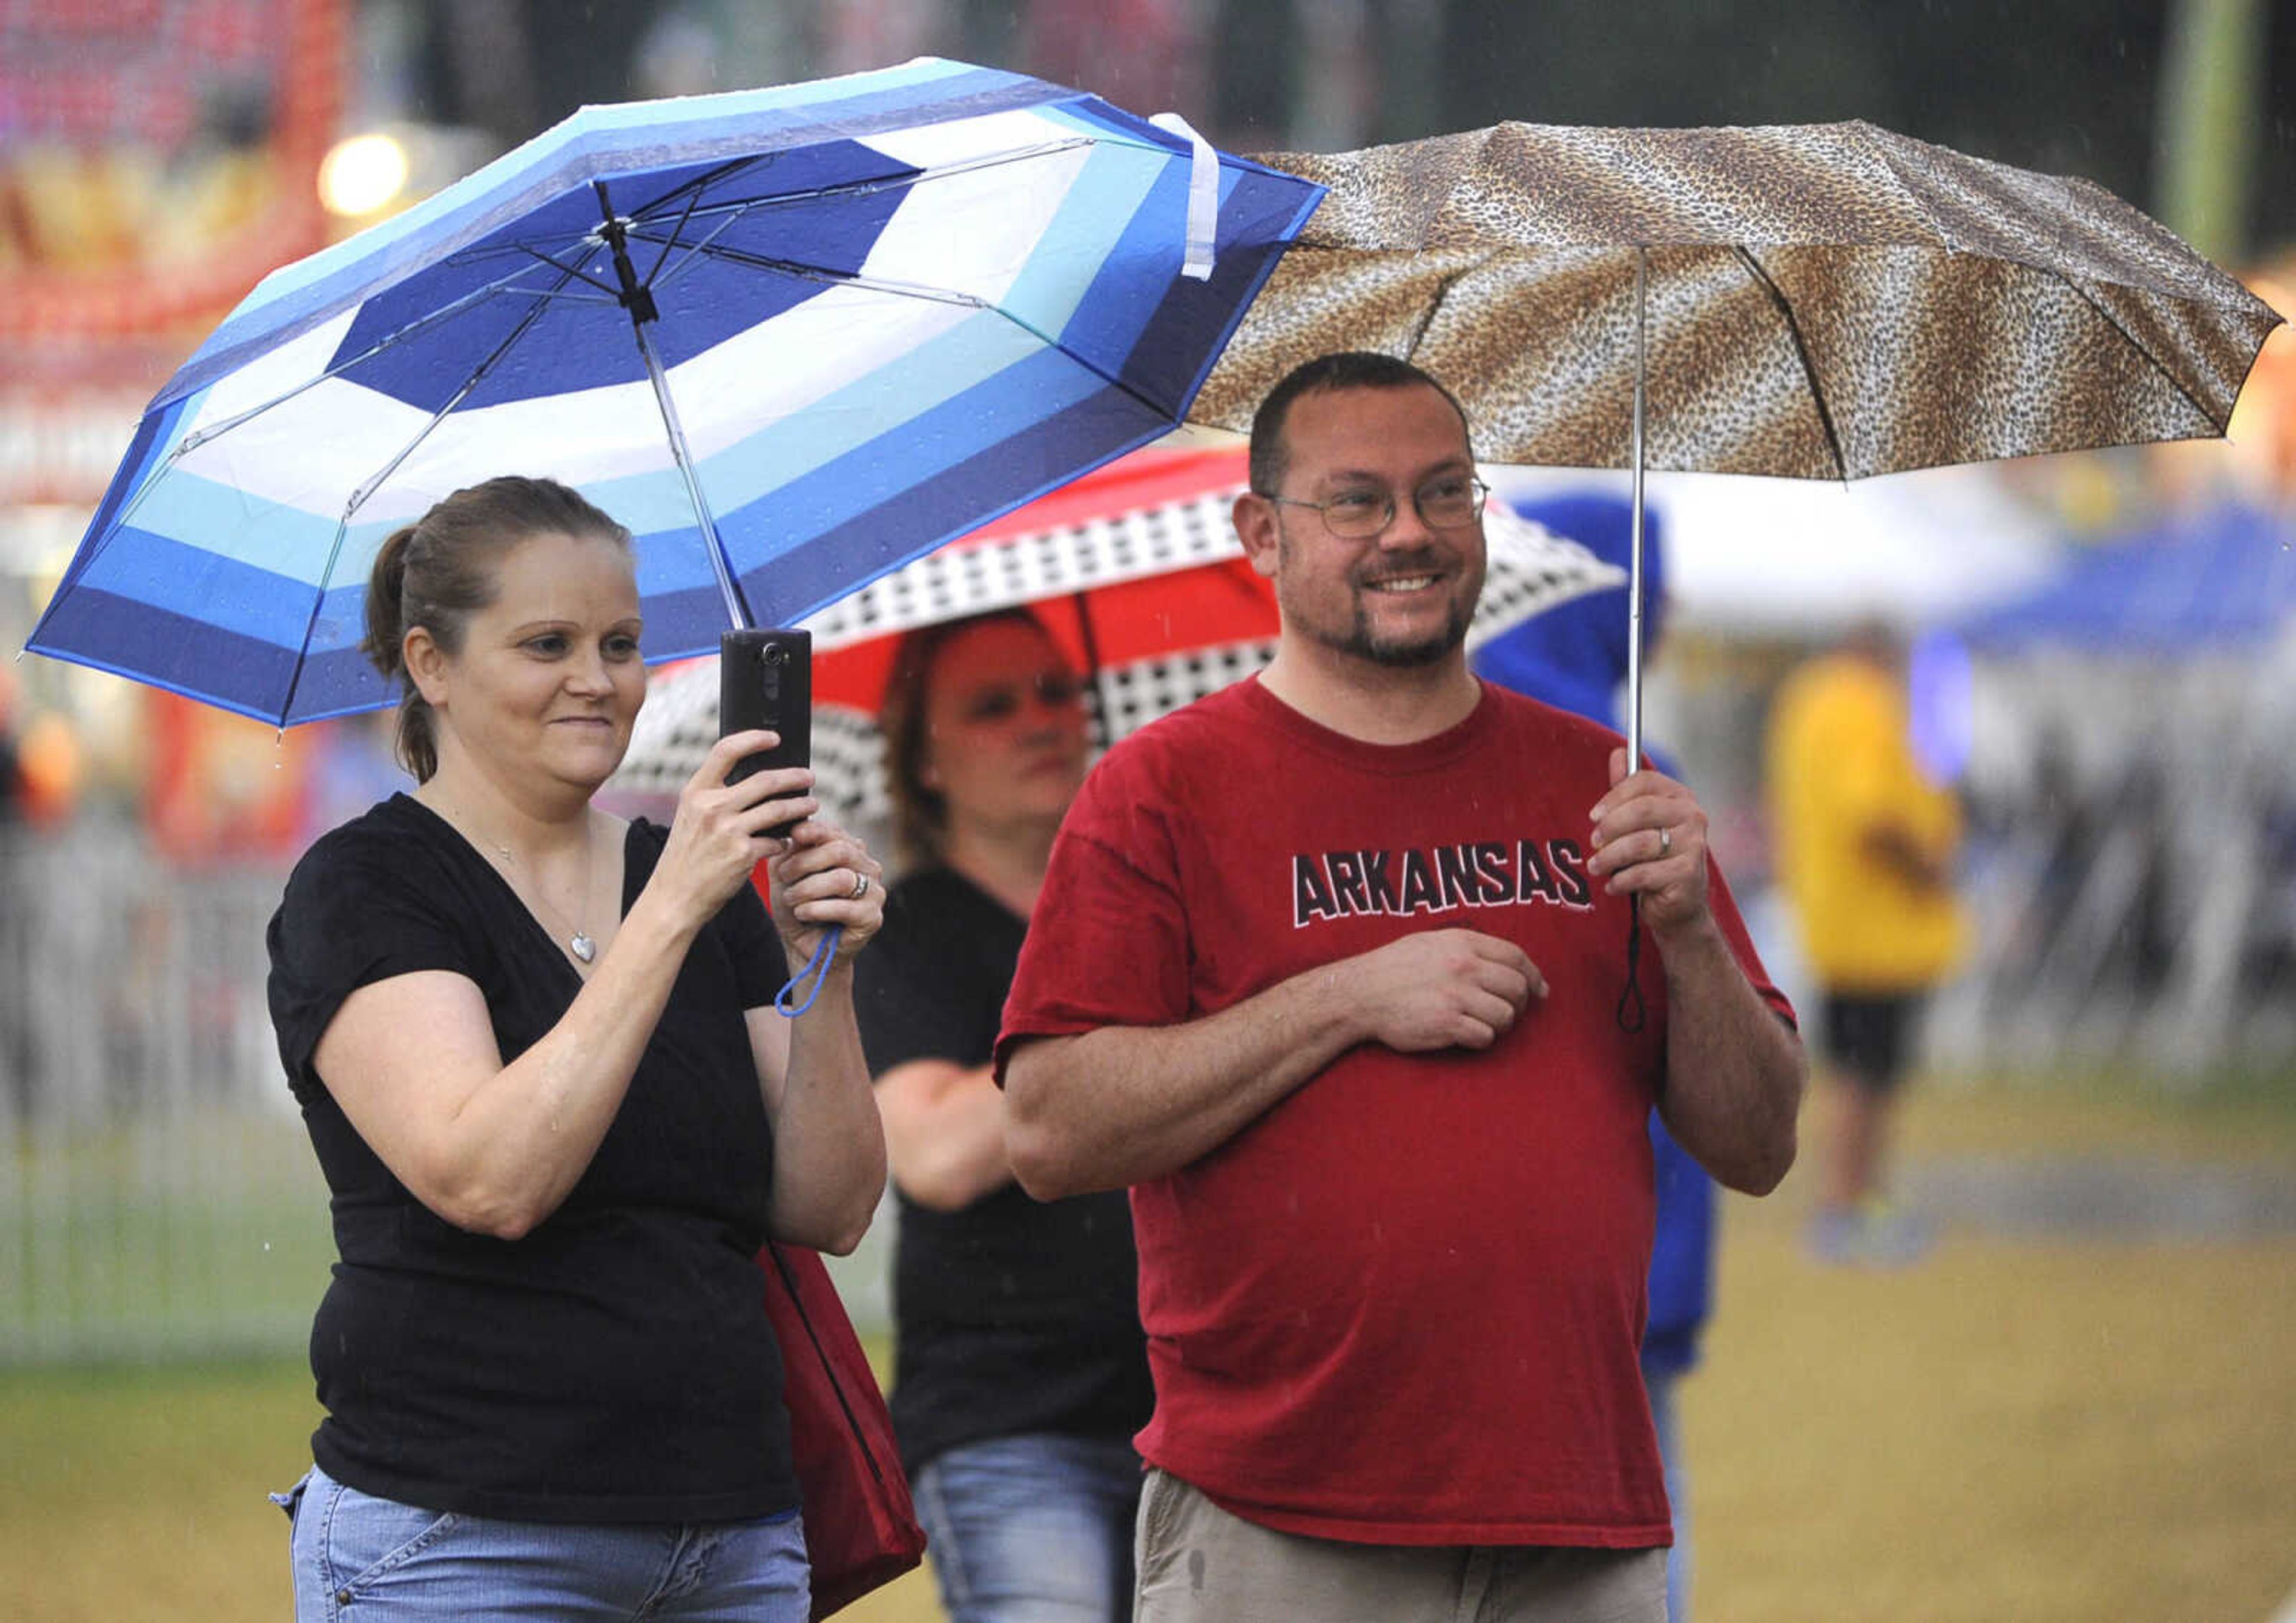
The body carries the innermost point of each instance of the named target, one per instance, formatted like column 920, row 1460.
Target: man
column 1328, row 967
column 1865, row 842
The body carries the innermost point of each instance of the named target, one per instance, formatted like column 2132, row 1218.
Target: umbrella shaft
column 1635, row 555
column 737, row 614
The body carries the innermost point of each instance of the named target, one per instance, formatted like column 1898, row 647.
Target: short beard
column 1359, row 642
column 1410, row 656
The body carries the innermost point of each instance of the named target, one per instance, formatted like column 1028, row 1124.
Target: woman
column 1020, row 1373
column 537, row 1054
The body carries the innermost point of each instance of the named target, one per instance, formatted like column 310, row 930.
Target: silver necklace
column 578, row 943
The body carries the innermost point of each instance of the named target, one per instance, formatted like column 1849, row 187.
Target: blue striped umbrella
column 791, row 338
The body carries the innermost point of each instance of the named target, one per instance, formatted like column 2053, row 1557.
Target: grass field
column 2031, row 1427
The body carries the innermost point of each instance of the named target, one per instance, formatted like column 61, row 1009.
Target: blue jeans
column 1663, row 1414
column 1032, row 1528
column 358, row 1559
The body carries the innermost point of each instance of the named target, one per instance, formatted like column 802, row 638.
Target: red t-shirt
column 1404, row 1306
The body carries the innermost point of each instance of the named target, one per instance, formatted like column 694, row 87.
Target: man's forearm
column 1125, row 1104
column 1734, row 1069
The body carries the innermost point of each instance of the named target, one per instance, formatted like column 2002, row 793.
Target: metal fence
column 158, row 1196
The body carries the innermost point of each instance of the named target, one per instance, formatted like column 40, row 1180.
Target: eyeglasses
column 1450, row 501
column 1001, row 700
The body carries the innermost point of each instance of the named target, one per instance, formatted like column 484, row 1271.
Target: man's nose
column 1406, row 528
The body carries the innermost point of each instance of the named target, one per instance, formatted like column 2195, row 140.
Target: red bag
column 861, row 1528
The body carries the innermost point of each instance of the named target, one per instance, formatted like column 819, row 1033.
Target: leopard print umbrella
column 1824, row 302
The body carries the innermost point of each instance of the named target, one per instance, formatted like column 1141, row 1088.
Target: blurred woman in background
column 1020, row 1371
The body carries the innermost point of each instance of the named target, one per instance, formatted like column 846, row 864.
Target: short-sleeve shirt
column 1404, row 1306
column 615, row 1362
column 1011, row 1316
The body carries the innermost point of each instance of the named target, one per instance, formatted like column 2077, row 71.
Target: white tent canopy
column 1780, row 557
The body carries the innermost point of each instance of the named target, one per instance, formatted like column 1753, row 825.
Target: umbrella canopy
column 790, row 337
column 1133, row 569
column 1821, row 301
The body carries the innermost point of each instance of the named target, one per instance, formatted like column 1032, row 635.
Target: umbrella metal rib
column 694, row 253
column 803, row 272
column 639, row 302
column 648, row 213
column 360, row 498
column 643, row 223
column 197, row 437
column 685, row 218
column 1801, row 354
column 2135, row 343
column 913, row 289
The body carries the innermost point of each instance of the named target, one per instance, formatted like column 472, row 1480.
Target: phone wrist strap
column 816, row 970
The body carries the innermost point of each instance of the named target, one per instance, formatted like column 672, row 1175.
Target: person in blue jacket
column 1574, row 656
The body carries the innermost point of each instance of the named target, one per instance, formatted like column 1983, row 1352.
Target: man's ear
column 425, row 663
column 1255, row 521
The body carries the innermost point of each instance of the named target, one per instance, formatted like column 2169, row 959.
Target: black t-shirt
column 614, row 1364
column 1011, row 1315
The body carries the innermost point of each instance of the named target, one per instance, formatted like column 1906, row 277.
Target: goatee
column 1408, row 656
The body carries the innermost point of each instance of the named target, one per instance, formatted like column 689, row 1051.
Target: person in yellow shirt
column 1864, row 841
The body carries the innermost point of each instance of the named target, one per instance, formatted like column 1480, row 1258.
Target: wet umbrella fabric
column 804, row 333
column 1134, row 569
column 1823, row 301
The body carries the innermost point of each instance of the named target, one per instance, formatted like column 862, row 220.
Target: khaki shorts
column 1199, row 1564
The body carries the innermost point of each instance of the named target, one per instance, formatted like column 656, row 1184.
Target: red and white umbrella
column 1134, row 570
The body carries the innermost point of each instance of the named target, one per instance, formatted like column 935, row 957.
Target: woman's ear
column 426, row 664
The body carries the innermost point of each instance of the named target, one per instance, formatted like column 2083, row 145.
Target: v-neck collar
column 541, row 929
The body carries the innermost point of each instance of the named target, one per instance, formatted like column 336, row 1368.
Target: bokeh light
column 362, row 174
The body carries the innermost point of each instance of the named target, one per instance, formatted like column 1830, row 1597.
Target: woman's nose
column 586, row 673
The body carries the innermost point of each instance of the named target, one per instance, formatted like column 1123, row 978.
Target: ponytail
column 386, row 649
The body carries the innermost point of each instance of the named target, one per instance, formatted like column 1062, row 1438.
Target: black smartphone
column 765, row 679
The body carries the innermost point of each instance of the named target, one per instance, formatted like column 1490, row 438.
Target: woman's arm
column 829, row 1143
column 490, row 1147
column 494, row 1147
column 944, row 1132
